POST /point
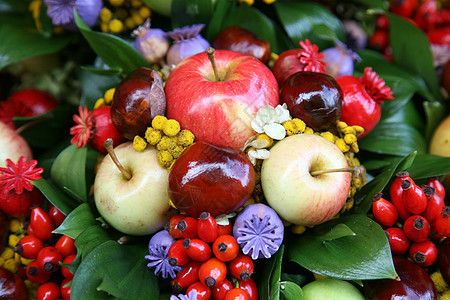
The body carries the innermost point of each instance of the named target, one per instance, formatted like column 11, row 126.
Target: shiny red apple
column 208, row 178
column 219, row 110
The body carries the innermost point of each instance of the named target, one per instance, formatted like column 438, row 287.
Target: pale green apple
column 297, row 196
column 12, row 145
column 138, row 206
column 331, row 289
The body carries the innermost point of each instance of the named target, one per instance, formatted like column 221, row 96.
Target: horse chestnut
column 137, row 100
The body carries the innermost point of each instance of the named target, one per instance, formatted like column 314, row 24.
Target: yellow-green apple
column 217, row 96
column 133, row 200
column 331, row 289
column 305, row 179
column 12, row 145
column 440, row 145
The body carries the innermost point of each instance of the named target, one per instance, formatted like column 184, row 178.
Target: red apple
column 13, row 145
column 293, row 184
column 219, row 111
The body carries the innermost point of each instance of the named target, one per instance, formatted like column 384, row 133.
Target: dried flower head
column 158, row 249
column 191, row 296
column 311, row 57
column 82, row 132
column 375, row 86
column 18, row 176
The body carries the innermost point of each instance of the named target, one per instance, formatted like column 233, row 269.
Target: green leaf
column 45, row 130
column 365, row 255
column 223, row 8
column 114, row 51
column 188, row 12
column 339, row 231
column 77, row 221
column 255, row 21
column 309, row 20
column 428, row 165
column 403, row 111
column 55, row 196
column 91, row 238
column 291, row 291
column 394, row 139
column 107, row 72
column 115, row 269
column 268, row 287
column 408, row 43
column 18, row 44
column 363, row 198
column 276, row 274
column 94, row 87
column 435, row 112
column 298, row 279
column 68, row 172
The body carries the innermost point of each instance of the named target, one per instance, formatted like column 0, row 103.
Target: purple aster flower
column 61, row 12
column 158, row 249
column 258, row 230
column 191, row 296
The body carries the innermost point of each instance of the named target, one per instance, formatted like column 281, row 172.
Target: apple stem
column 320, row 172
column 210, row 51
column 109, row 147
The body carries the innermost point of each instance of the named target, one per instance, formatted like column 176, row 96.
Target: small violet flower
column 191, row 296
column 152, row 43
column 158, row 248
column 61, row 12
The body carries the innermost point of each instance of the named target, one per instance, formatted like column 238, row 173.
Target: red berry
column 56, row 215
column 226, row 247
column 404, row 8
column 41, row 223
column 48, row 291
column 29, row 246
column 437, row 185
column 65, row 288
column 187, row 276
column 66, row 246
column 382, row 22
column 379, row 40
column 172, row 228
column 398, row 241
column 34, row 274
column 220, row 290
column 203, row 292
column 67, row 260
column 177, row 254
column 48, row 259
column 424, row 254
column 417, row 228
column 188, row 227
column 443, row 222
column 396, row 193
column 197, row 249
column 413, row 197
column 250, row 287
column 212, row 272
column 241, row 267
column 384, row 211
column 224, row 229
column 207, row 227
column 435, row 204
column 237, row 294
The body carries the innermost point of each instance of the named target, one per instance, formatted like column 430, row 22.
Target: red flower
column 375, row 86
column 311, row 57
column 18, row 176
column 83, row 131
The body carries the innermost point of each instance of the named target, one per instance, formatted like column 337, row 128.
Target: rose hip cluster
column 210, row 260
column 47, row 255
column 423, row 216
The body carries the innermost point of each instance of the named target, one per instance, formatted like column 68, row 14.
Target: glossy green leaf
column 435, row 112
column 45, row 130
column 363, row 198
column 55, row 196
column 68, row 172
column 309, row 20
column 403, row 111
column 276, row 274
column 188, row 12
column 91, row 238
column 428, row 165
column 223, row 8
column 291, row 291
column 94, row 86
column 117, row 269
column 365, row 255
column 393, row 139
column 18, row 44
column 77, row 221
column 107, row 72
column 268, row 287
column 337, row 232
column 114, row 51
column 409, row 43
column 254, row 20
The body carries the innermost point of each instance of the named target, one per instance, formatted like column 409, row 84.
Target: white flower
column 268, row 120
column 253, row 155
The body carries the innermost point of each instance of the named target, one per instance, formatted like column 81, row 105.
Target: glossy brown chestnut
column 12, row 286
column 316, row 98
column 414, row 284
column 236, row 38
column 137, row 100
column 444, row 259
column 212, row 179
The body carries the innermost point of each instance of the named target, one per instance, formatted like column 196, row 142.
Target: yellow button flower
column 171, row 127
column 158, row 122
column 115, row 26
column 153, row 136
column 185, row 138
column 139, row 144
